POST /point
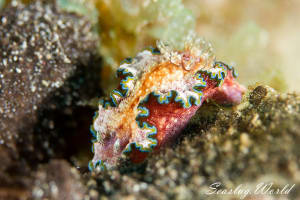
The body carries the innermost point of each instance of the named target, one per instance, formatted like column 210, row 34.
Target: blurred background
column 260, row 38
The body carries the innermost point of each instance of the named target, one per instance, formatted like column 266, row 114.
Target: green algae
column 81, row 7
column 2, row 3
column 127, row 27
column 172, row 21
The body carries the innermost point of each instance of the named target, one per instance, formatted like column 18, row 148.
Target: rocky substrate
column 45, row 55
column 252, row 143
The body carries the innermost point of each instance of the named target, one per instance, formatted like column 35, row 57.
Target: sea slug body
column 159, row 91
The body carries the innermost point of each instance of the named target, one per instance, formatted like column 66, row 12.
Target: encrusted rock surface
column 58, row 180
column 37, row 56
column 41, row 50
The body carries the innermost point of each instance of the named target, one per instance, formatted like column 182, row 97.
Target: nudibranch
column 159, row 91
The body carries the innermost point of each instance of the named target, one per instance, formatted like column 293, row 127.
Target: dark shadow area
column 204, row 118
column 62, row 130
